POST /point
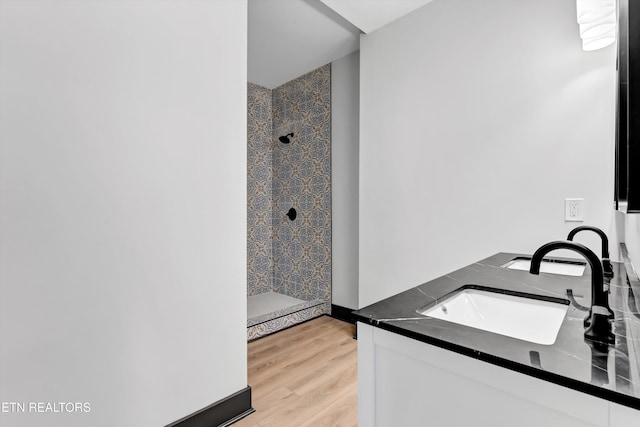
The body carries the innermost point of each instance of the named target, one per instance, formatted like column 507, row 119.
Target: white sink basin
column 527, row 319
column 553, row 267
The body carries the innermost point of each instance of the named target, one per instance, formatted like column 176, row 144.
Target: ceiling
column 369, row 15
column 289, row 38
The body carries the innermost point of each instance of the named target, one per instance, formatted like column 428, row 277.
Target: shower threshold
column 271, row 305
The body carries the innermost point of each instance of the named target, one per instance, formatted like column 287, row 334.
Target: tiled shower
column 288, row 256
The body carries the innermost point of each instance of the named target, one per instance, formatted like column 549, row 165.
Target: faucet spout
column 606, row 263
column 597, row 323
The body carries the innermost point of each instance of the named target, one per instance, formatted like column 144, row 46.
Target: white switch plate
column 574, row 209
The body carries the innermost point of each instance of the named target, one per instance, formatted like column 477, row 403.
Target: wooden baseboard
column 221, row 413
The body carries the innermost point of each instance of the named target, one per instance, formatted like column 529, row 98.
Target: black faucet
column 598, row 327
column 606, row 263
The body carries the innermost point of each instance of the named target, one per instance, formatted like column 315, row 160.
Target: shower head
column 285, row 139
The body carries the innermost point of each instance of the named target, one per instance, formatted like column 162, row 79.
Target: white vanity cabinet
column 403, row 382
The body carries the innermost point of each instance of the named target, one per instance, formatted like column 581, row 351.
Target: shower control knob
column 292, row 214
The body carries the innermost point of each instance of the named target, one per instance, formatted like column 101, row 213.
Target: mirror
column 627, row 179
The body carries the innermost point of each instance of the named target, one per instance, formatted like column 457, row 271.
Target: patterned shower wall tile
column 262, row 278
column 318, row 254
column 257, row 157
column 306, row 236
column 263, row 189
column 306, row 94
column 322, row 166
column 259, row 111
column 258, row 189
column 278, row 248
column 306, row 184
column 278, row 280
column 315, row 126
column 259, row 202
column 283, row 227
column 306, row 267
column 284, row 267
column 278, row 188
column 260, row 234
column 258, row 218
column 294, row 284
column 319, row 201
column 306, row 101
column 320, row 290
column 259, row 197
column 284, row 171
column 295, row 184
column 277, row 102
column 319, row 80
column 258, row 289
column 318, row 108
column 284, row 125
column 257, row 248
column 320, row 184
column 252, row 188
column 320, row 150
column 260, row 146
column 260, row 172
column 323, row 99
column 306, row 167
column 317, row 219
column 261, row 264
column 285, row 128
column 307, row 200
column 322, row 272
column 260, row 282
column 322, row 236
column 279, row 156
column 320, row 129
column 294, row 153
column 282, row 203
column 260, row 132
column 294, row 261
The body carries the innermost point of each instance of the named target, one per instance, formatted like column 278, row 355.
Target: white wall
column 345, row 84
column 477, row 120
column 123, row 219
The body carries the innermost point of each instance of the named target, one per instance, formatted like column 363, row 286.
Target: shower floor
column 270, row 302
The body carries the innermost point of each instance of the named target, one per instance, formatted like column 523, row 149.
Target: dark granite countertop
column 610, row 372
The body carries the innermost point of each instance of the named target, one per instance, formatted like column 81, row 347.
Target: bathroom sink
column 523, row 316
column 567, row 268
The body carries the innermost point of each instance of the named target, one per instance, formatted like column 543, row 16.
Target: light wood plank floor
column 304, row 376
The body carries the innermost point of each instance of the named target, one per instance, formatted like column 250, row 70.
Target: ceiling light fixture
column 597, row 19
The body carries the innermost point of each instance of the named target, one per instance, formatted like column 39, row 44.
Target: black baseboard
column 222, row 413
column 343, row 313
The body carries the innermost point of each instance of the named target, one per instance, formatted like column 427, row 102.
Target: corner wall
column 477, row 120
column 345, row 112
column 122, row 208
